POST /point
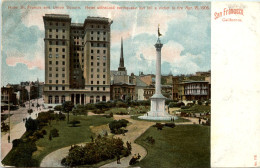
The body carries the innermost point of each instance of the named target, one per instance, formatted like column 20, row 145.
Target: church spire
column 121, row 63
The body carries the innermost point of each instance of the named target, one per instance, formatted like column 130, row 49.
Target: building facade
column 77, row 60
column 196, row 90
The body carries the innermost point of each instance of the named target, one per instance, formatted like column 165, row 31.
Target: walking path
column 17, row 127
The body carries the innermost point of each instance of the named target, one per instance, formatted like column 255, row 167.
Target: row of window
column 98, row 58
column 57, row 43
column 92, row 70
column 57, row 24
column 98, row 32
column 98, row 45
column 57, row 99
column 57, row 62
column 57, row 36
column 104, row 38
column 104, row 82
column 97, row 88
column 57, row 30
column 57, row 68
column 57, row 81
column 57, row 56
column 98, row 26
column 57, row 49
column 98, row 64
column 98, row 51
column 57, row 88
column 92, row 76
column 57, row 75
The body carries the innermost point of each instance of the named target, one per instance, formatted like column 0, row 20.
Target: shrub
column 30, row 111
column 159, row 126
column 4, row 127
column 121, row 104
column 54, row 132
column 90, row 106
column 58, row 108
column 16, row 142
column 116, row 125
column 185, row 107
column 74, row 123
column 44, row 132
column 38, row 134
column 172, row 125
column 150, row 140
column 101, row 149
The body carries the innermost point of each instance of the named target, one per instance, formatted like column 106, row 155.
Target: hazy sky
column 186, row 37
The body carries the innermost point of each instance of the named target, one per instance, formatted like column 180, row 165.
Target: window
column 57, row 55
column 50, row 36
column 57, row 81
column 98, row 63
column 98, row 57
column 104, row 39
column 104, row 33
column 104, row 76
column 50, row 49
column 92, row 57
column 104, row 70
column 98, row 26
column 57, row 62
column 104, row 64
column 50, row 55
column 97, row 99
column 104, row 58
column 63, row 24
column 92, row 38
column 57, row 24
column 98, row 32
column 104, row 88
column 63, row 30
column 63, row 56
column 97, row 76
column 57, row 42
column 97, row 82
column 91, row 76
column 92, row 69
column 62, row 99
column 57, row 69
column 50, row 30
column 50, row 62
column 50, row 42
column 97, row 88
column 98, row 39
column 50, row 75
column 104, row 45
column 92, row 51
column 104, row 51
column 57, row 75
column 50, row 81
column 92, row 45
column 63, row 75
column 92, row 32
column 50, row 99
column 57, row 88
column 63, row 62
column 92, row 88
column 50, row 88
column 63, row 50
column 50, row 68
column 63, row 37
column 63, row 69
column 104, row 82
column 56, row 99
column 57, row 50
column 63, row 88
column 57, row 30
column 91, row 82
column 97, row 51
column 63, row 81
column 97, row 69
column 57, row 36
column 63, row 43
column 92, row 63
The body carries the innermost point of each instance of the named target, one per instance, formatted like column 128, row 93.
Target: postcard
column 130, row 84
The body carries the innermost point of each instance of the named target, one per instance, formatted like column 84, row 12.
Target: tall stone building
column 77, row 59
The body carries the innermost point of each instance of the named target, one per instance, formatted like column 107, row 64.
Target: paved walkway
column 17, row 127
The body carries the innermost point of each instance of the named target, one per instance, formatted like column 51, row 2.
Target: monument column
column 158, row 47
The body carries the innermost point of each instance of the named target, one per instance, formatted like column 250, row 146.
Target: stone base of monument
column 157, row 109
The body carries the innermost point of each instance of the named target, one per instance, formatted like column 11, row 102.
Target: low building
column 195, row 90
column 123, row 91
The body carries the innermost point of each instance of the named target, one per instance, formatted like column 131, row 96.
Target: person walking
column 118, row 159
column 199, row 120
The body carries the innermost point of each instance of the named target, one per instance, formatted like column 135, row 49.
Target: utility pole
column 9, row 136
column 37, row 93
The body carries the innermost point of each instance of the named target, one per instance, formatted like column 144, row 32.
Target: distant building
column 123, row 91
column 195, row 90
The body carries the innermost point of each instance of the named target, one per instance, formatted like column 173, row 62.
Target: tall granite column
column 158, row 47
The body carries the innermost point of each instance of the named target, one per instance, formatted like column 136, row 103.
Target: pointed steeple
column 121, row 63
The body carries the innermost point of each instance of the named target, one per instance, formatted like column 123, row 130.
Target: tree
column 31, row 125
column 67, row 106
column 58, row 108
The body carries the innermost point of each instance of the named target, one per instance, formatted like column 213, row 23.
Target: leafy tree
column 58, row 108
column 31, row 125
column 67, row 106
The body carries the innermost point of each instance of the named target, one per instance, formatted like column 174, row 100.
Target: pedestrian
column 118, row 159
column 139, row 156
column 199, row 120
column 172, row 119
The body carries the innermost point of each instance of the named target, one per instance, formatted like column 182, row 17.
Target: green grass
column 182, row 146
column 68, row 135
column 116, row 110
column 197, row 109
column 179, row 120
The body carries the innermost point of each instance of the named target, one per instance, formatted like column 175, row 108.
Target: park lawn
column 116, row 110
column 179, row 120
column 197, row 109
column 182, row 146
column 68, row 135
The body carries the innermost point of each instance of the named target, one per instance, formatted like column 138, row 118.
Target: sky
column 186, row 37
